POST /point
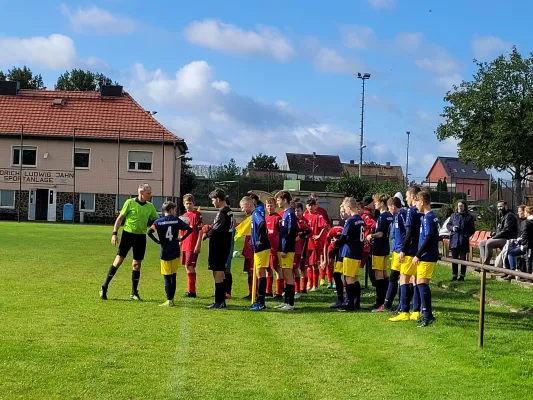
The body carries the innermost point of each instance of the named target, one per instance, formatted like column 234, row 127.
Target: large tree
column 82, row 81
column 228, row 172
column 349, row 185
column 25, row 77
column 188, row 180
column 262, row 161
column 492, row 117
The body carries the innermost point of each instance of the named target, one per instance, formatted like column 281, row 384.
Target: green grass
column 58, row 340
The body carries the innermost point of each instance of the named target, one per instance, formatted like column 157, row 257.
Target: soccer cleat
column 228, row 296
column 426, row 322
column 287, row 307
column 379, row 309
column 103, row 293
column 258, row 307
column 314, row 289
column 338, row 304
column 191, row 295
column 215, row 305
column 415, row 316
column 322, row 282
column 280, row 306
column 461, row 279
column 135, row 296
column 168, row 303
column 269, row 295
column 278, row 297
column 333, row 286
column 249, row 297
column 330, row 286
column 304, row 291
column 402, row 316
column 297, row 295
column 454, row 279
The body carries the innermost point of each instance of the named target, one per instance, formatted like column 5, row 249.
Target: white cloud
column 487, row 46
column 449, row 147
column 409, row 42
column 228, row 38
column 357, row 36
column 95, row 20
column 440, row 62
column 330, row 61
column 223, row 86
column 55, row 51
column 386, row 5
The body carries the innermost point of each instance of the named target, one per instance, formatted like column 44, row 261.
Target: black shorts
column 134, row 241
column 217, row 265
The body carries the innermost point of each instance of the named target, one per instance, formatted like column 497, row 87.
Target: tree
column 386, row 187
column 262, row 161
column 188, row 180
column 444, row 185
column 439, row 185
column 82, row 81
column 228, row 172
column 492, row 117
column 25, row 77
column 349, row 185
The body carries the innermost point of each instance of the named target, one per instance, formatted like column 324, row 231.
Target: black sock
column 379, row 289
column 110, row 274
column 410, row 294
column 384, row 290
column 392, row 290
column 168, row 286
column 350, row 293
column 261, row 290
column 173, row 287
column 289, row 293
column 220, row 292
column 339, row 286
column 357, row 295
column 229, row 282
column 135, row 276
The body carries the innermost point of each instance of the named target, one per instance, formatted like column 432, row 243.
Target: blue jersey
column 168, row 231
column 381, row 246
column 399, row 230
column 429, row 225
column 287, row 232
column 354, row 229
column 259, row 233
column 413, row 222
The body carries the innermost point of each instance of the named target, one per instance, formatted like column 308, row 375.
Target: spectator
column 507, row 229
column 444, row 232
column 526, row 239
column 461, row 227
column 514, row 249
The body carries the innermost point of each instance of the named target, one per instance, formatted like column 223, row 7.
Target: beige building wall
column 55, row 168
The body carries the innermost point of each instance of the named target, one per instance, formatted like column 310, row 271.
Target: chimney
column 352, row 162
column 387, row 164
column 9, row 88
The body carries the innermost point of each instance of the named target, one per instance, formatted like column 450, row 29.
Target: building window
column 157, row 201
column 463, row 170
column 469, row 192
column 29, row 156
column 82, row 158
column 87, row 202
column 474, row 171
column 7, row 199
column 140, row 161
column 121, row 199
column 455, row 170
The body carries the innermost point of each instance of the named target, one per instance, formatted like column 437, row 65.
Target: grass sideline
column 59, row 340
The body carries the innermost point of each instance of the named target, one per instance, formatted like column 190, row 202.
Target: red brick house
column 460, row 177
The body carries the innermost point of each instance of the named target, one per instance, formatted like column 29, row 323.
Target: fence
column 95, row 170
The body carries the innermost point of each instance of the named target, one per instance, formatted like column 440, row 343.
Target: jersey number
column 169, row 234
column 362, row 235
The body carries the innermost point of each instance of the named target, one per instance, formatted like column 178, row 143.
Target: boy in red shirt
column 273, row 222
column 304, row 232
column 315, row 249
column 192, row 245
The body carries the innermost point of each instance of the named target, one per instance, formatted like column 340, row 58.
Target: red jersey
column 370, row 226
column 304, row 232
column 247, row 250
column 333, row 232
column 321, row 211
column 317, row 223
column 195, row 222
column 273, row 222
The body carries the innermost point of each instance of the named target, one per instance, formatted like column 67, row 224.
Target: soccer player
column 337, row 272
column 316, row 243
column 427, row 255
column 260, row 246
column 331, row 252
column 300, row 259
column 248, row 265
column 220, row 235
column 287, row 247
column 192, row 245
column 273, row 222
column 135, row 214
column 168, row 236
column 228, row 277
column 408, row 289
column 352, row 242
column 381, row 249
column 370, row 226
column 318, row 209
column 399, row 213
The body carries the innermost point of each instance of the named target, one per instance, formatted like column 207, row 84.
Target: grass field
column 58, row 340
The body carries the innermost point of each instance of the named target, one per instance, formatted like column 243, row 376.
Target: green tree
column 82, row 81
column 444, row 185
column 439, row 186
column 262, row 161
column 386, row 187
column 25, row 77
column 492, row 116
column 228, row 172
column 349, row 185
column 188, row 180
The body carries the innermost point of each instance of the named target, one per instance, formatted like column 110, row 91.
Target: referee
column 136, row 214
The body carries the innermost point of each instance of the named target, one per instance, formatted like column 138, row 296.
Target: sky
column 237, row 78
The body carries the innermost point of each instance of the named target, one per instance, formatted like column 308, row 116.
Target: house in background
column 311, row 166
column 376, row 172
column 460, row 177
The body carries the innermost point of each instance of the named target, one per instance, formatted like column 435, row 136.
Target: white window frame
column 118, row 210
column 74, row 154
column 140, row 170
column 14, row 199
column 87, row 209
column 21, row 149
column 469, row 192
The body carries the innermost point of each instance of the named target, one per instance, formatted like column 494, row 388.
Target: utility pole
column 363, row 77
column 407, row 165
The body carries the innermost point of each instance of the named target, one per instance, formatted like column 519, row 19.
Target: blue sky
column 236, row 78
